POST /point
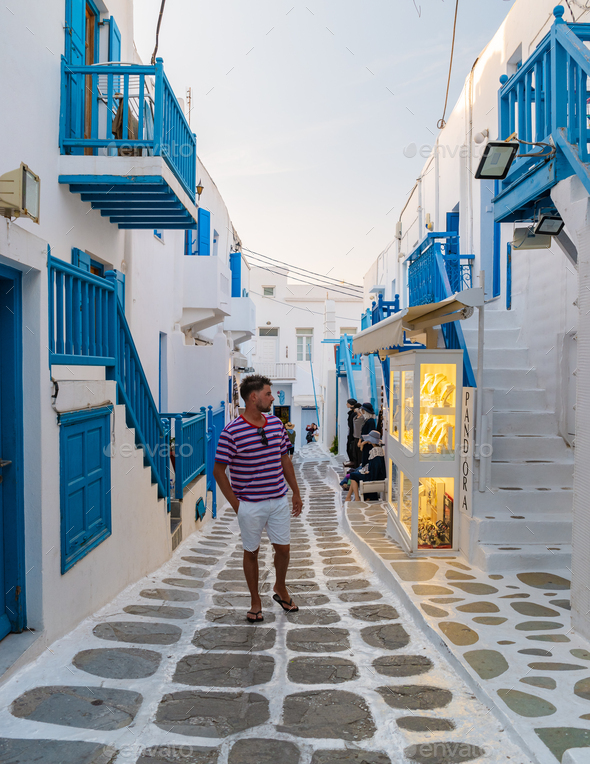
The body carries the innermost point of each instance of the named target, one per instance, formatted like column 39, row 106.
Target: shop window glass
column 408, row 409
column 438, row 388
column 405, row 502
column 395, row 404
column 435, row 513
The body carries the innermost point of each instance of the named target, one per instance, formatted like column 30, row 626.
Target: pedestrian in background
column 369, row 424
column 255, row 446
column 291, row 434
column 350, row 441
column 311, row 432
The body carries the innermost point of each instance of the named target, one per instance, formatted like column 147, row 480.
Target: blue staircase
column 437, row 271
column 545, row 103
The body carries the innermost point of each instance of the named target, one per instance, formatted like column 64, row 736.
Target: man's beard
column 264, row 409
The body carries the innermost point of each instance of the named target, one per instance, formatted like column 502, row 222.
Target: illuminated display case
column 423, row 459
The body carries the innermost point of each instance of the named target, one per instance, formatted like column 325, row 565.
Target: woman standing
column 311, row 432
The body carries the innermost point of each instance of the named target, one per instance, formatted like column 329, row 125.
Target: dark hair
column 253, row 384
column 351, row 401
column 357, row 406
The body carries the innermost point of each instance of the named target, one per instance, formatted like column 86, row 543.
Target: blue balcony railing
column 190, row 447
column 87, row 326
column 126, row 110
column 546, row 102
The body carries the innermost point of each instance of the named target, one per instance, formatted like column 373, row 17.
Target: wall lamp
column 496, row 160
column 199, row 188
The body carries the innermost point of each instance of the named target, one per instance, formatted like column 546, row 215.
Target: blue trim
column 85, row 483
column 373, row 381
column 204, row 232
column 235, row 264
column 12, row 522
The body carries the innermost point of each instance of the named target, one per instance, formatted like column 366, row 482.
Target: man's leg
column 279, row 532
column 282, row 556
column 251, row 573
column 251, row 521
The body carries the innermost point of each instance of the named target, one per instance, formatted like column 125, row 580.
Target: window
column 85, row 483
column 267, row 331
column 159, row 234
column 350, row 330
column 215, row 242
column 268, row 291
column 190, row 242
column 304, row 343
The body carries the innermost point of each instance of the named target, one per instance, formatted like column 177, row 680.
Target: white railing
column 276, row 370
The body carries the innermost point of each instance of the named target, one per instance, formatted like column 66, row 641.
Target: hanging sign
column 465, row 446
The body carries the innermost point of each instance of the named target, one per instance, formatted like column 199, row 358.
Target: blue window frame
column 85, row 483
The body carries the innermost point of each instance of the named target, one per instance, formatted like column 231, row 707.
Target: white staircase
column 524, row 517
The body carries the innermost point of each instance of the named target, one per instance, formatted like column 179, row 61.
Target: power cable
column 158, row 31
column 441, row 122
column 303, row 270
column 320, row 286
column 307, row 279
column 310, row 275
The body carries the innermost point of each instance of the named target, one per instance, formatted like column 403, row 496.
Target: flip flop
column 289, row 605
column 256, row 619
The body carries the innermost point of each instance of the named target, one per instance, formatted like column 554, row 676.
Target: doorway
column 283, row 413
column 12, row 575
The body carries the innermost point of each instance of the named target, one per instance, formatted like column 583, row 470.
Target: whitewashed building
column 123, row 298
column 299, row 328
column 523, row 487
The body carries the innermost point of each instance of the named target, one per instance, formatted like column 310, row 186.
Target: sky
column 302, row 110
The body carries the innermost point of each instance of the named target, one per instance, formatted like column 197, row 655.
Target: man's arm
column 220, row 475
column 289, row 474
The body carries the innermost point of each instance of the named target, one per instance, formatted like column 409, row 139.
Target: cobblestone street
column 171, row 672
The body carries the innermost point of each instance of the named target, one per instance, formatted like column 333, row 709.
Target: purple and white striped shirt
column 255, row 470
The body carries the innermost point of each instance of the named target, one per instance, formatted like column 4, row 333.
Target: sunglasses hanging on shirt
column 263, row 438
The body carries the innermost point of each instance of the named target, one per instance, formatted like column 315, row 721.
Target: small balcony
column 126, row 146
column 206, row 293
column 242, row 321
column 277, row 371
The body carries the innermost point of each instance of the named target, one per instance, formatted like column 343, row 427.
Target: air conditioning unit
column 19, row 193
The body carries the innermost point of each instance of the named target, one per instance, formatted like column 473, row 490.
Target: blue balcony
column 126, row 145
column 545, row 103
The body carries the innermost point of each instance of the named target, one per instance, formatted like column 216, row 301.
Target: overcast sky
column 302, row 111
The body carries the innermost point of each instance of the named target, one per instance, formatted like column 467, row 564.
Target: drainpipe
column 480, row 417
column 436, row 187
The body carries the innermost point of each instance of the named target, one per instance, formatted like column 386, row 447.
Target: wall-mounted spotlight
column 550, row 225
column 496, row 160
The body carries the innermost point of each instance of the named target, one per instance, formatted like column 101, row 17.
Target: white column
column 573, row 203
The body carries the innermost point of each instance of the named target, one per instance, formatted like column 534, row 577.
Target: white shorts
column 272, row 514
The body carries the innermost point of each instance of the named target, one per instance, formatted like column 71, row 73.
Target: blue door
column 12, row 579
column 75, row 53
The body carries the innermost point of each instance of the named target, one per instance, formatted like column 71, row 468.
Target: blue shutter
column 453, row 227
column 75, row 53
column 235, row 264
column 85, row 483
column 204, row 232
column 81, row 259
column 114, row 41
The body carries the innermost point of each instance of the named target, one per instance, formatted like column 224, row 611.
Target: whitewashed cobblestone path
column 171, row 672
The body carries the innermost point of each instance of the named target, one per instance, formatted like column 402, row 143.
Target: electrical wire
column 309, row 283
column 302, row 270
column 158, row 31
column 305, row 274
column 441, row 122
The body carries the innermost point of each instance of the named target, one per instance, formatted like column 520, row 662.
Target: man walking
column 256, row 449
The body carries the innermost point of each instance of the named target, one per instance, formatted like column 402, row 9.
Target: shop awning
column 388, row 335
column 306, row 401
column 240, row 362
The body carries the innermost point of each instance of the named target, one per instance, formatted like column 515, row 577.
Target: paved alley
column 171, row 671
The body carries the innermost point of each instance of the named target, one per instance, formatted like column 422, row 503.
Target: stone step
column 507, row 529
column 504, row 378
column 515, row 399
column 521, row 501
column 523, row 447
column 532, row 474
column 494, row 338
column 498, row 559
column 502, row 358
column 525, row 423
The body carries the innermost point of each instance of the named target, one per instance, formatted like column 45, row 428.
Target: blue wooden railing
column 190, row 447
column 87, row 326
column 433, row 276
column 215, row 424
column 82, row 321
column 379, row 310
column 151, row 119
column 546, row 101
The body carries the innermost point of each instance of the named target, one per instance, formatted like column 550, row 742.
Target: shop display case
column 424, row 411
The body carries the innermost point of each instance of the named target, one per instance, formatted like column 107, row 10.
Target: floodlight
column 19, row 193
column 496, row 160
column 550, row 225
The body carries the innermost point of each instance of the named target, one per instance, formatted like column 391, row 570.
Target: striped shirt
column 255, row 470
